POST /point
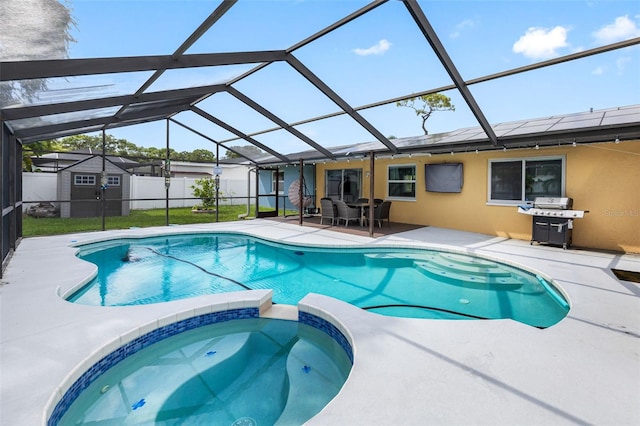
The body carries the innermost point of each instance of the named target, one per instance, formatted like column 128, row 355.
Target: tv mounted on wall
column 443, row 177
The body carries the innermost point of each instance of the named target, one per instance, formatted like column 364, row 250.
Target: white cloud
column 541, row 43
column 377, row 49
column 598, row 71
column 460, row 27
column 622, row 28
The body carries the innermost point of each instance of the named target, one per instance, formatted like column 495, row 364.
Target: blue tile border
column 324, row 325
column 97, row 369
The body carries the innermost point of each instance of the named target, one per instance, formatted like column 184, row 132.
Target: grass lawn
column 137, row 218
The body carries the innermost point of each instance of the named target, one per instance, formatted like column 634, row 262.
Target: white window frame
column 84, row 180
column 523, row 161
column 413, row 181
column 276, row 181
column 113, row 180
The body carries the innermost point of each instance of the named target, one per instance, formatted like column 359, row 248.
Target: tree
column 124, row 148
column 36, row 149
column 113, row 146
column 205, row 189
column 45, row 35
column 426, row 105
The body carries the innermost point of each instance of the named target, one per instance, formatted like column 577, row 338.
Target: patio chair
column 381, row 213
column 328, row 210
column 347, row 213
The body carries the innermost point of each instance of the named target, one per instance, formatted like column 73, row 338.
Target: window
column 84, row 180
column 402, row 181
column 515, row 181
column 113, row 180
column 277, row 182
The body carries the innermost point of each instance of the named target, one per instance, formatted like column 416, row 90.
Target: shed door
column 113, row 195
column 85, row 190
column 85, row 195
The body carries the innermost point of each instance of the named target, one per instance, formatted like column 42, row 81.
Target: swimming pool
column 241, row 372
column 416, row 283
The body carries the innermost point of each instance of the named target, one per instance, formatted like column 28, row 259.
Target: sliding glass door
column 344, row 184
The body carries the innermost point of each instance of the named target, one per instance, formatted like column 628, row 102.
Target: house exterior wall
column 291, row 174
column 603, row 178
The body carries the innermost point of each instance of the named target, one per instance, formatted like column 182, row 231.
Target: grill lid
column 558, row 203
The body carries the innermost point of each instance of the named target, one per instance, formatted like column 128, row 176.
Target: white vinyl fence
column 38, row 187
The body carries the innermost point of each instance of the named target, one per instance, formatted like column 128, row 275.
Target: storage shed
column 81, row 184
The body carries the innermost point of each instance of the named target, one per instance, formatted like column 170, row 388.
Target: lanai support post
column 167, row 178
column 301, row 191
column 217, row 182
column 372, row 166
column 103, row 179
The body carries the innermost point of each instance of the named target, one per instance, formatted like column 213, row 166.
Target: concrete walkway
column 584, row 370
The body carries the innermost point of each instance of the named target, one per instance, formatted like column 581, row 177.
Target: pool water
column 242, row 372
column 390, row 281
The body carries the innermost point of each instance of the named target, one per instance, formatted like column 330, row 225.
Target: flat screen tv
column 443, row 177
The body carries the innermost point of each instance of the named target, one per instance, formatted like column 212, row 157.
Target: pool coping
column 583, row 370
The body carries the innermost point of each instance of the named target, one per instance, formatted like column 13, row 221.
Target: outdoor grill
column 552, row 220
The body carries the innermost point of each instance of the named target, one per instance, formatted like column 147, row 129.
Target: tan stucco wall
column 603, row 178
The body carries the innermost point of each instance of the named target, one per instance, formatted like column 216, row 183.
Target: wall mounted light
column 617, row 140
column 574, row 143
column 537, row 146
column 504, row 148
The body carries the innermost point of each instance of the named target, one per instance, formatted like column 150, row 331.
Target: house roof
column 72, row 115
column 579, row 128
column 86, row 159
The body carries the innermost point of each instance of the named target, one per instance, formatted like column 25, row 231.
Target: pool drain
column 245, row 421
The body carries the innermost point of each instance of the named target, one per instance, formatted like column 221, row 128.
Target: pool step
column 464, row 259
column 461, row 278
column 392, row 260
column 468, row 265
column 313, row 380
column 214, row 368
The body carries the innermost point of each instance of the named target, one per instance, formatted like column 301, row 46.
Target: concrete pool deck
column 584, row 370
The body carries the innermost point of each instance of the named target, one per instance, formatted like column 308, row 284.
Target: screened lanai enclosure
column 324, row 86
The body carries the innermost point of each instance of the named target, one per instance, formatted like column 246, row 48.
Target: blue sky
column 376, row 57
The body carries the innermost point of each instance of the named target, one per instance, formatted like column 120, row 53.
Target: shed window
column 515, row 181
column 89, row 180
column 113, row 180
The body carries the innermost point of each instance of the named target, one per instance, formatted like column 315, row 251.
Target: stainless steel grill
column 552, row 220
